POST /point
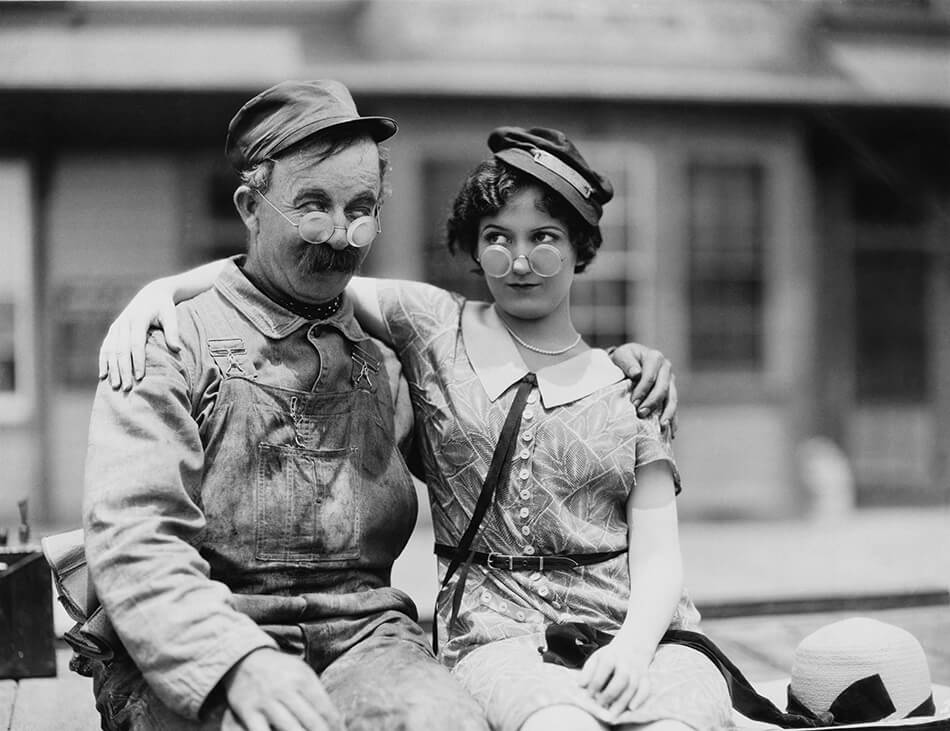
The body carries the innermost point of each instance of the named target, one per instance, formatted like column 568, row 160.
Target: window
column 891, row 271
column 441, row 181
column 726, row 268
column 891, row 328
column 84, row 308
column 212, row 227
column 16, row 293
column 612, row 301
column 7, row 346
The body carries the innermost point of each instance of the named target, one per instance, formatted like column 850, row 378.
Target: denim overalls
column 307, row 502
column 325, row 503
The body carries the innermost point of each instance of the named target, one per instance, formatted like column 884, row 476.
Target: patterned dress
column 579, row 444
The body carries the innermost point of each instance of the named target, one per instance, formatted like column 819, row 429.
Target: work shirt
column 578, row 446
column 249, row 491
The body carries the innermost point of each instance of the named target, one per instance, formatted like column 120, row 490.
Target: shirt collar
column 270, row 318
column 498, row 364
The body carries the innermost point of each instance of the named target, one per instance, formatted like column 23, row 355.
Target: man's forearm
column 144, row 461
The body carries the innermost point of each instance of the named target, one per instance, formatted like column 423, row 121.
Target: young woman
column 582, row 527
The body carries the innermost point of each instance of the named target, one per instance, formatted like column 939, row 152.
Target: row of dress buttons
column 543, row 591
column 524, row 473
column 528, row 416
column 502, row 606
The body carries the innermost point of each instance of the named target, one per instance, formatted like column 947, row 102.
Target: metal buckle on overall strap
column 365, row 365
column 227, row 348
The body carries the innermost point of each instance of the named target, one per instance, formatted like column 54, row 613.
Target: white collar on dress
column 498, row 364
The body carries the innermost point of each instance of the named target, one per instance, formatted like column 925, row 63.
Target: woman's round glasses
column 318, row 227
column 544, row 260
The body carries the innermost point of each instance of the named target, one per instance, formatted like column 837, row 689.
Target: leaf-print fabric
column 573, row 469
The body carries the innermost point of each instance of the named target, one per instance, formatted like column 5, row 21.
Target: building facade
column 780, row 227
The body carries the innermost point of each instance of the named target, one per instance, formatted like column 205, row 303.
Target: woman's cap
column 861, row 670
column 291, row 111
column 549, row 156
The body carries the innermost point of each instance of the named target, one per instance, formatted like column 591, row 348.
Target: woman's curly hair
column 487, row 190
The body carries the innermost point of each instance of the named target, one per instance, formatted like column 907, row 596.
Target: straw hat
column 861, row 670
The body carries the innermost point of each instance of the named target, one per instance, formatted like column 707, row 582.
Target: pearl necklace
column 542, row 351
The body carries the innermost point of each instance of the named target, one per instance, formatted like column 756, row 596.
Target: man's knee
column 561, row 718
column 116, row 687
column 400, row 681
column 126, row 702
column 445, row 704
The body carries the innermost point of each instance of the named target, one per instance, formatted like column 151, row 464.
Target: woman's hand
column 655, row 388
column 122, row 353
column 616, row 677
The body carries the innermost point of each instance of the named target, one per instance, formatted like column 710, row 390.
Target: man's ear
column 247, row 207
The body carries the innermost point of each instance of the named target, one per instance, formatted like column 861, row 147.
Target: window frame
column 705, row 269
column 786, row 268
column 640, row 256
column 19, row 405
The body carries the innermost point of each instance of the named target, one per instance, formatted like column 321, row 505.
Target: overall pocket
column 307, row 505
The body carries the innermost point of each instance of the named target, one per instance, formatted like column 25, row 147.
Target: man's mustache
column 317, row 258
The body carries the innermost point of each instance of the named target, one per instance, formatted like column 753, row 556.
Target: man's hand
column 270, row 690
column 655, row 383
column 122, row 353
column 616, row 678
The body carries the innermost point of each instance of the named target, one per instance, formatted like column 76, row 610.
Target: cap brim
column 523, row 160
column 378, row 128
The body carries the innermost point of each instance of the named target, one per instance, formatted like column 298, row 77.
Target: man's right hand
column 270, row 690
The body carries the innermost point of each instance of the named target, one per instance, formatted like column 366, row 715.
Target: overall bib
column 307, row 498
column 308, row 502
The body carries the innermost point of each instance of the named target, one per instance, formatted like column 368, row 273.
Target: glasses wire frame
column 326, row 224
column 544, row 260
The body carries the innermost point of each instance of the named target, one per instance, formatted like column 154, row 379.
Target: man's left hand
column 655, row 386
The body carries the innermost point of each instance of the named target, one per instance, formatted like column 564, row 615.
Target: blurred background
column 781, row 227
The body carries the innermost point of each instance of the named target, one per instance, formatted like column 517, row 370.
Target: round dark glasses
column 544, row 260
column 318, row 227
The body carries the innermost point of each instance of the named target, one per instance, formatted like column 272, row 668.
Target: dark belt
column 508, row 562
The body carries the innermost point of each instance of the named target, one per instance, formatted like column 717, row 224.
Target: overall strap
column 367, row 362
column 500, row 464
column 227, row 355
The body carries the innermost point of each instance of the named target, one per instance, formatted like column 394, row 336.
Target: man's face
column 346, row 187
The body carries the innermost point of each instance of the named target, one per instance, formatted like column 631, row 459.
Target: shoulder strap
column 500, row 464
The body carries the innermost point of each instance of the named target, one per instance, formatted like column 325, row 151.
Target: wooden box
column 26, row 615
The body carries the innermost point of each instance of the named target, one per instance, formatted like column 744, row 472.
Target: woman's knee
column 659, row 726
column 561, row 718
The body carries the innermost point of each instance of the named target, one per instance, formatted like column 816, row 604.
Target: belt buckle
column 492, row 556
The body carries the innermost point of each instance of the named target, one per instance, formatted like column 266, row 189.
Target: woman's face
column 520, row 227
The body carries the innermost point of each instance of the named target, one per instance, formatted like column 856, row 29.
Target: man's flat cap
column 292, row 111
